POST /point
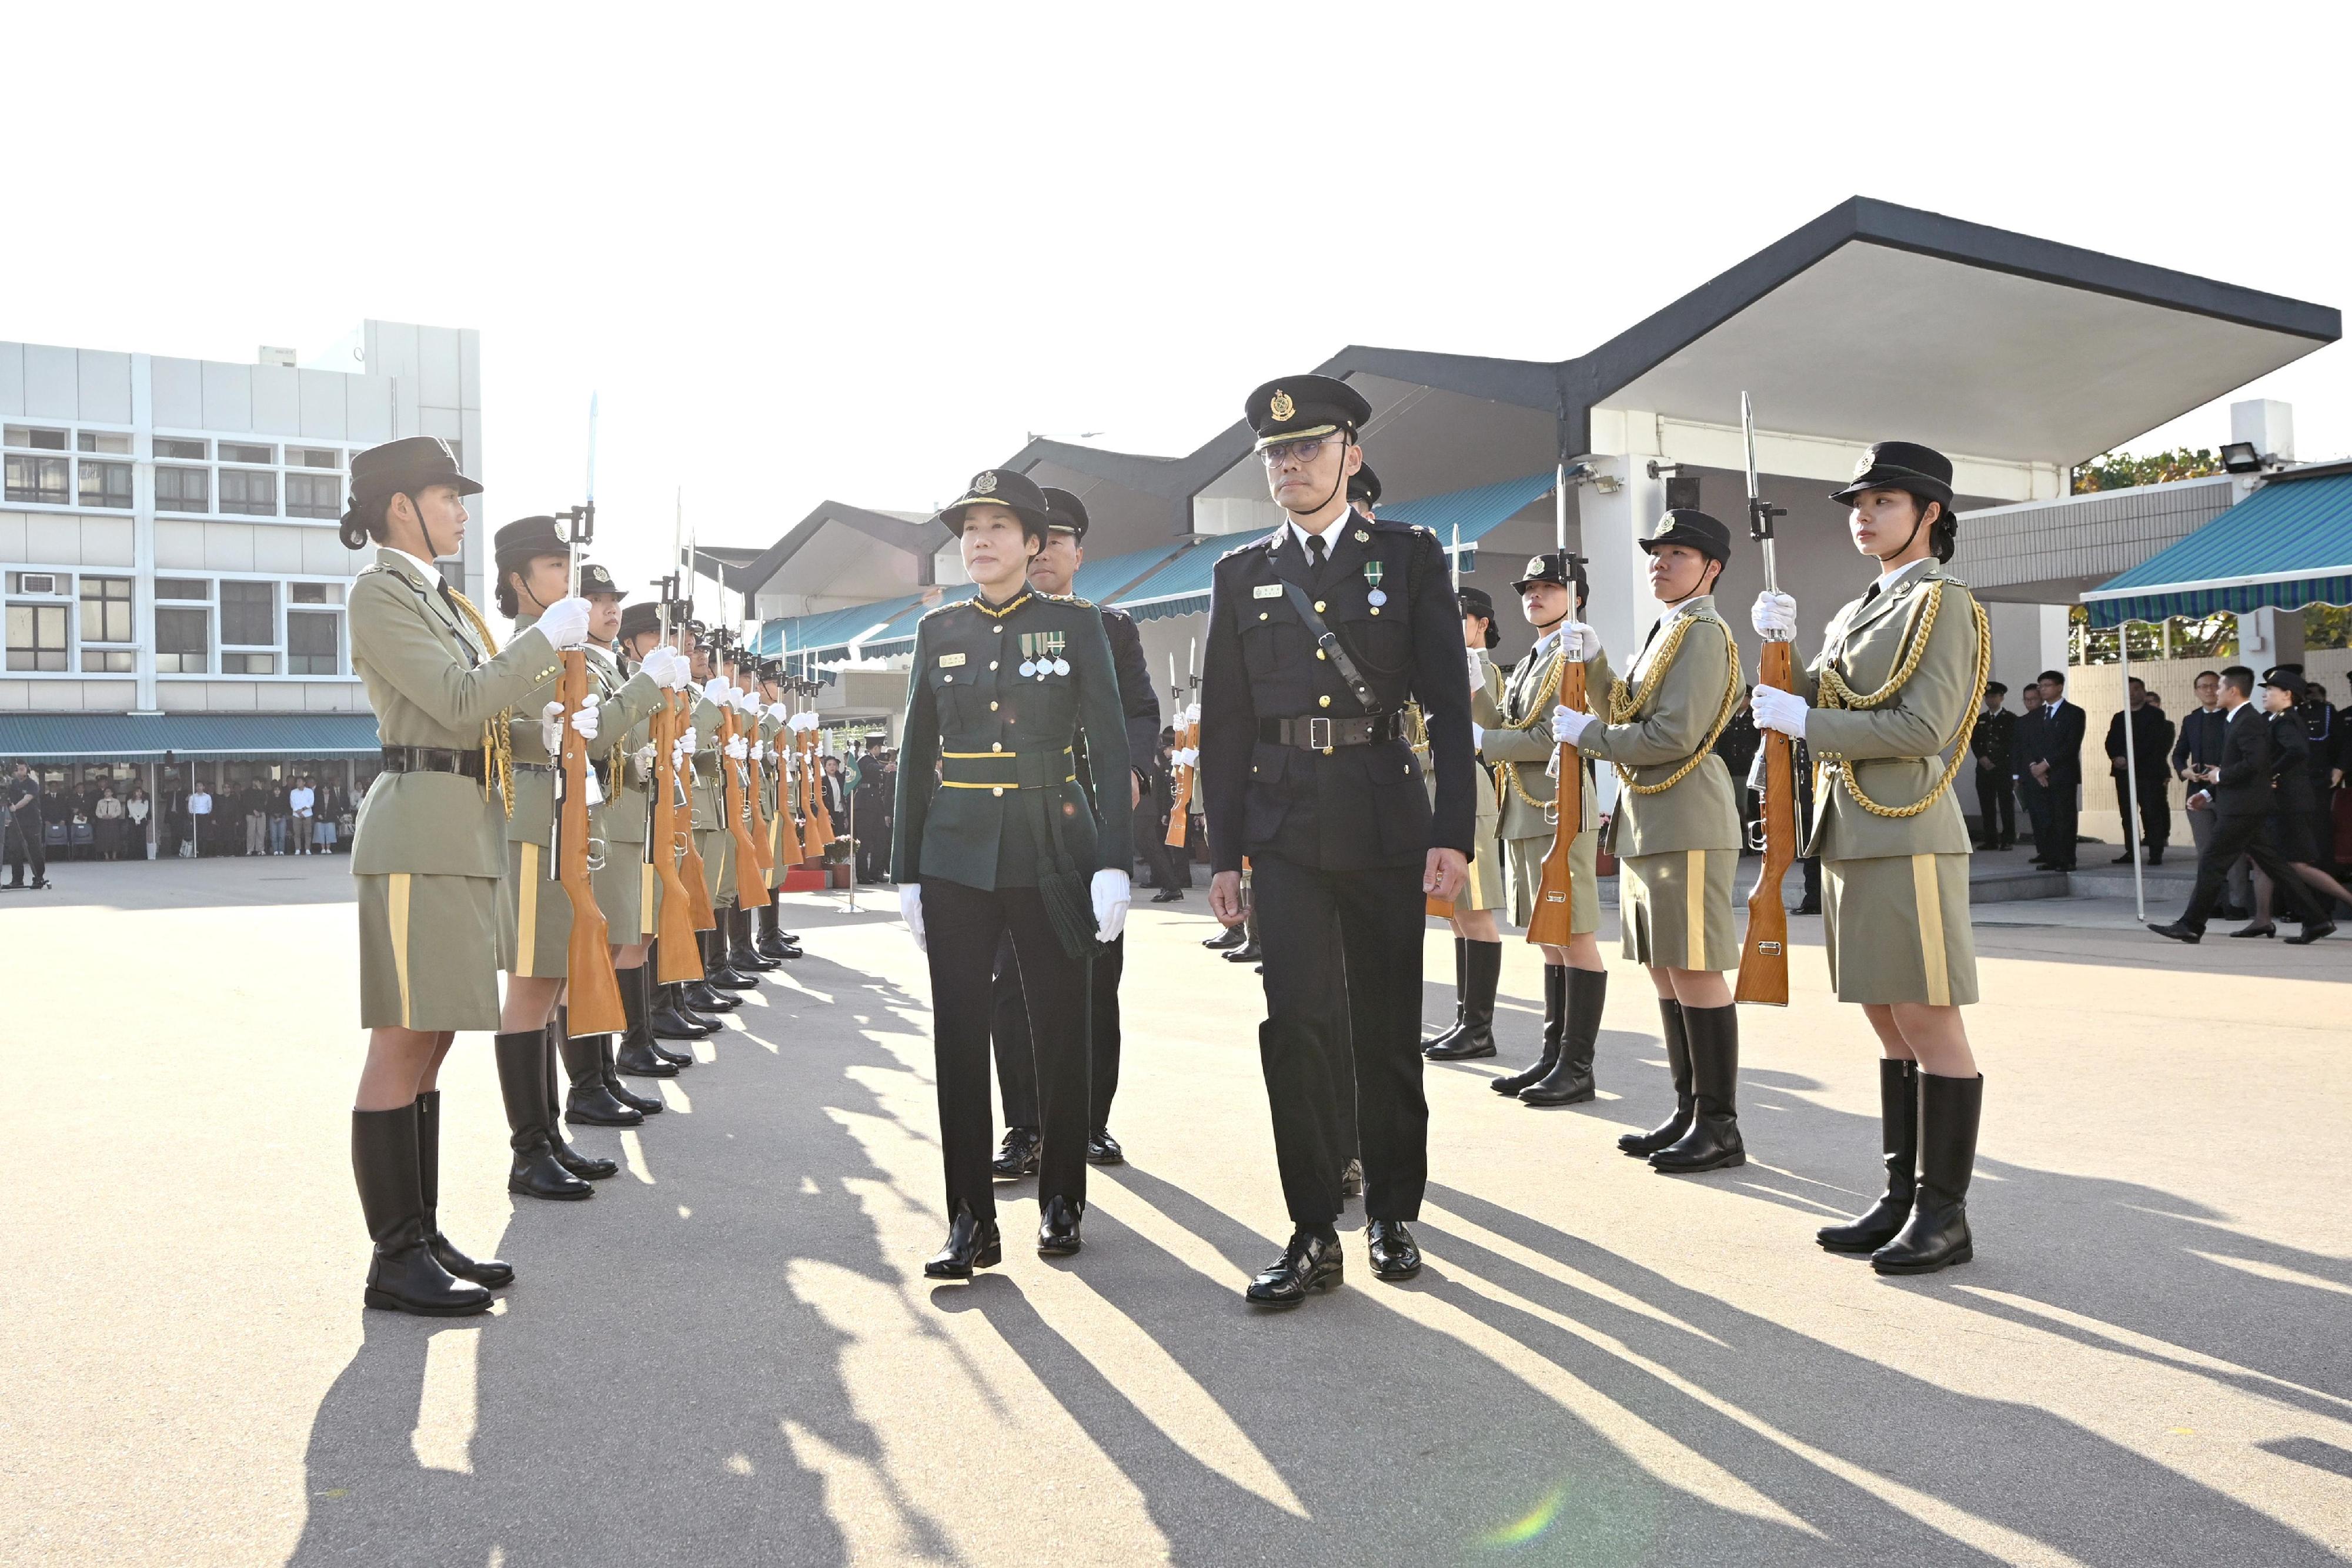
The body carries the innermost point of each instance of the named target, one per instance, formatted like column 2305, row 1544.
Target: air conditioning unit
column 49, row 584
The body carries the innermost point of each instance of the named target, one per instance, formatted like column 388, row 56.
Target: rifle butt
column 593, row 990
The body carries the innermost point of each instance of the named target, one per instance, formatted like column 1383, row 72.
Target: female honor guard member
column 1677, row 826
column 1519, row 740
column 1478, row 944
column 640, row 634
column 1306, row 771
column 1898, row 684
column 427, row 851
column 1008, row 689
column 533, row 562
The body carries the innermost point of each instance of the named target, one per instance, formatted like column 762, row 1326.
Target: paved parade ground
column 730, row 1355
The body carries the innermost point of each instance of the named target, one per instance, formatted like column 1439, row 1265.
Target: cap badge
column 984, row 485
column 1862, row 465
column 1534, row 566
column 1282, row 407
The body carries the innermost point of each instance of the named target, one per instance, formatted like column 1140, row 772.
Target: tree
column 2122, row 471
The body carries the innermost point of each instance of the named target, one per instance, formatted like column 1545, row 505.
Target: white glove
column 776, row 712
column 1567, row 725
column 550, row 728
column 565, row 622
column 1111, row 895
column 1774, row 616
column 1783, row 711
column 645, row 759
column 1581, row 641
column 1187, row 756
column 1193, row 714
column 809, row 721
column 716, row 690
column 737, row 750
column 586, row 720
column 910, row 909
column 748, row 703
column 1477, row 736
column 667, row 667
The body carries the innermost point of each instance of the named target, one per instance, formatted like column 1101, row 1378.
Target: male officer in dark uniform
column 1994, row 743
column 1052, row 571
column 1318, row 635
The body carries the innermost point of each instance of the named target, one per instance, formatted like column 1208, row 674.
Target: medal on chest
column 1376, row 597
column 1041, row 654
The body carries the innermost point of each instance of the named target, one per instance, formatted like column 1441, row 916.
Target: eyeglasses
column 1302, row 451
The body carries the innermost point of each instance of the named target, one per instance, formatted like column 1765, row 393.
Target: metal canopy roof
column 188, row 737
column 2289, row 544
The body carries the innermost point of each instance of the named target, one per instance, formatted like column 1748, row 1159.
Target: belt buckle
column 1318, row 734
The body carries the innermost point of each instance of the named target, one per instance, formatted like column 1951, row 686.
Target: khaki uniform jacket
column 628, row 803
column 430, row 683
column 709, row 791
column 533, row 821
column 1672, row 721
column 1897, row 747
column 1528, row 751
column 1482, row 700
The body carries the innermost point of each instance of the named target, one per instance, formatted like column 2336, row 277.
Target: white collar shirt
column 1329, row 533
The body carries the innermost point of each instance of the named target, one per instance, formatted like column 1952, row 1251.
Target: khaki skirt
column 429, row 951
column 1675, row 909
column 535, row 938
column 717, row 848
column 1523, row 864
column 1897, row 930
column 626, row 892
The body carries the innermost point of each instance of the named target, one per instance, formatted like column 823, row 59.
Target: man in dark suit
column 2239, row 789
column 1051, row 570
column 1318, row 635
column 1993, row 744
column 2151, row 742
column 2050, row 773
column 875, row 792
column 2197, row 746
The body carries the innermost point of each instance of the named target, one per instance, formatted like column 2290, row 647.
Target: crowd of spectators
column 108, row 819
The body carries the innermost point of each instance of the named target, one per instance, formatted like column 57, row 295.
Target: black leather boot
column 716, row 973
column 702, row 994
column 670, row 1019
column 589, row 1103
column 1898, row 1124
column 1569, row 1083
column 484, row 1272
column 772, row 940
column 521, row 1057
column 587, row 1167
column 1642, row 1145
column 972, row 1244
column 1057, row 1227
column 1555, row 1018
column 638, row 998
column 1231, row 936
column 1482, row 969
column 1713, row 1140
column 637, row 1056
column 1461, row 996
column 1936, row 1235
column 644, row 1105
column 404, row 1276
column 741, row 950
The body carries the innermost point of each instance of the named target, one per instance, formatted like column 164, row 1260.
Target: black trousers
column 1996, row 807
column 963, row 926
column 2249, row 835
column 1151, row 847
column 2155, row 810
column 1338, row 1008
column 873, row 847
column 1011, row 1033
column 25, row 844
column 2054, row 814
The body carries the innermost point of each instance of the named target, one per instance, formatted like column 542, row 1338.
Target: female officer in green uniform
column 1008, row 689
column 1519, row 741
column 426, row 851
column 1478, row 944
column 1677, row 819
column 1898, row 683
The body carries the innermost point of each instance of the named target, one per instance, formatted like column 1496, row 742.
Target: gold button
column 1376, row 610
column 1261, row 614
column 998, row 629
column 1324, row 701
column 991, row 663
column 992, row 707
column 998, row 790
column 995, row 745
column 1318, row 606
column 947, row 677
column 1321, row 654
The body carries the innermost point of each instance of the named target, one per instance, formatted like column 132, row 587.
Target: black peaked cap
column 1299, row 406
column 1901, row 466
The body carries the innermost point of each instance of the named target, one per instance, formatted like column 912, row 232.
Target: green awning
column 2287, row 545
column 186, row 736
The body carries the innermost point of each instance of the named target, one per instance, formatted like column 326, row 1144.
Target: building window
column 193, row 588
column 183, row 642
column 310, row 642
column 106, row 485
column 313, row 457
column 37, row 440
column 178, row 446
column 184, row 489
column 314, row 495
column 37, row 637
column 106, row 610
column 109, row 661
column 246, row 492
column 248, row 613
column 40, row 480
column 101, row 441
column 238, row 452
column 248, row 664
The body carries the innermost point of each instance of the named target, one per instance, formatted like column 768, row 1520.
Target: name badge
column 1266, row 590
column 950, row 660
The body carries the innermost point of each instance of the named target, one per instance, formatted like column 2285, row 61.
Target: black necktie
column 1315, row 553
column 1868, row 594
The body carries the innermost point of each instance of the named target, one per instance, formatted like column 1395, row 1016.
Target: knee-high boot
column 1555, row 1018
column 481, row 1271
column 588, row 1167
column 589, row 1103
column 639, row 1057
column 521, row 1056
column 1713, row 1140
column 1461, row 996
column 741, row 950
column 1936, row 1235
column 1569, row 1083
column 403, row 1275
column 720, row 974
column 1642, row 1145
column 1898, row 1125
column 1481, row 970
column 773, row 942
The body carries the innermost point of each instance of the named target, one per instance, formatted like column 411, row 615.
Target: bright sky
column 858, row 255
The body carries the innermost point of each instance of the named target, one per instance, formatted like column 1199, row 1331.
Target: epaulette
column 943, row 609
column 1068, row 599
column 379, row 570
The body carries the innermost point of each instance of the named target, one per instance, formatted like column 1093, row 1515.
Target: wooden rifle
column 594, row 990
column 679, row 957
column 1549, row 923
column 1188, row 739
column 750, row 893
column 1764, row 956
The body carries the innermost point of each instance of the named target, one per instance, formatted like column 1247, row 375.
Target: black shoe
column 521, row 1057
column 481, row 1271
column 650, row 1002
column 669, row 1021
column 1555, row 1018
column 589, row 1103
column 1102, row 1149
column 2156, row 856
column 1713, row 1142
column 1351, row 1180
column 404, row 1276
column 2266, row 929
column 716, row 972
column 1807, row 906
column 1169, row 895
column 1474, row 1037
column 773, row 943
column 1569, row 1083
column 1898, row 1128
column 588, row 1167
column 1018, row 1156
column 1310, row 1263
column 1057, row 1232
column 1642, row 1145
column 972, row 1244
column 701, row 996
column 1248, row 953
column 640, row 1062
column 1396, row 1255
column 743, row 951
column 2180, row 932
column 1231, row 936
column 2312, row 932
column 2122, row 858
column 1936, row 1235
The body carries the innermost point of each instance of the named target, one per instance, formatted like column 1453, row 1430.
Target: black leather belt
column 432, row 759
column 1321, row 734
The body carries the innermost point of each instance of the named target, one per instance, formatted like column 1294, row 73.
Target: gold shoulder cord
column 497, row 740
column 1624, row 702
column 1836, row 693
column 1538, row 710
